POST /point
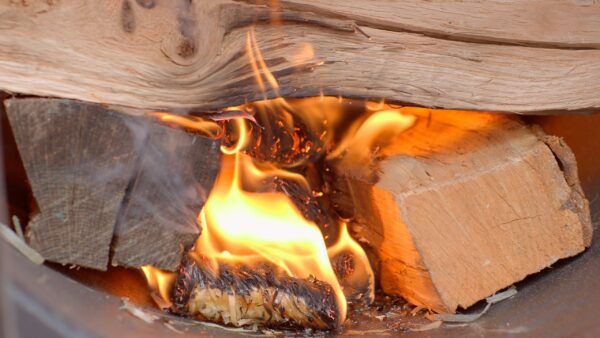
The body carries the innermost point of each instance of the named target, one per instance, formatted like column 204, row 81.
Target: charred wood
column 243, row 295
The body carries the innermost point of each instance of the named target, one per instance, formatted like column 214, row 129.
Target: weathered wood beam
column 96, row 172
column 479, row 55
column 466, row 204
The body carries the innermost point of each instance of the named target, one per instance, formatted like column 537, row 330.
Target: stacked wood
column 494, row 55
column 465, row 204
column 244, row 295
column 94, row 170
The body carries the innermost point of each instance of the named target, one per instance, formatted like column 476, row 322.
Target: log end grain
column 467, row 204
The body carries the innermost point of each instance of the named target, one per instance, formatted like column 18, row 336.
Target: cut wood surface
column 466, row 204
column 158, row 218
column 91, row 168
column 513, row 56
column 77, row 183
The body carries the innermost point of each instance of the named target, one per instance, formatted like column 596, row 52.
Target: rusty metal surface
column 563, row 301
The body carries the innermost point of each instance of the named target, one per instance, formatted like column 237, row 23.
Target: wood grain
column 540, row 23
column 76, row 182
column 176, row 171
column 510, row 56
column 104, row 180
column 466, row 204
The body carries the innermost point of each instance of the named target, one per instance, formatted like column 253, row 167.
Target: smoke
column 171, row 177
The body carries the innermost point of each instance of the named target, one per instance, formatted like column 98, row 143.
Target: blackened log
column 311, row 206
column 243, row 295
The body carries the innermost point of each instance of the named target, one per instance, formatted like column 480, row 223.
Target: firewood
column 243, row 295
column 476, row 55
column 70, row 151
column 463, row 205
column 90, row 168
column 158, row 220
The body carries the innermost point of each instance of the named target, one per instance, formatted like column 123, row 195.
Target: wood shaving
column 427, row 327
column 467, row 318
column 416, row 310
column 172, row 328
column 18, row 228
column 18, row 243
column 380, row 332
column 137, row 312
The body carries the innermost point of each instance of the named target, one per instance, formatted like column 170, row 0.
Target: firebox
column 292, row 168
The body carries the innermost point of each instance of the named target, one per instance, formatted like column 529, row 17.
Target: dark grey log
column 91, row 168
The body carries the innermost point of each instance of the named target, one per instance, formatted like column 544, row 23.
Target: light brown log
column 466, row 204
column 92, row 169
column 528, row 23
column 477, row 55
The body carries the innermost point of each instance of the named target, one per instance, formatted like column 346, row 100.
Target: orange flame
column 209, row 128
column 375, row 130
column 160, row 281
column 249, row 227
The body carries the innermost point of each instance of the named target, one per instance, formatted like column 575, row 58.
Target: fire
column 159, row 281
column 206, row 127
column 244, row 224
column 246, row 227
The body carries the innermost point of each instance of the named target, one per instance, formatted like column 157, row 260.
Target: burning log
column 242, row 295
column 463, row 205
column 97, row 173
column 311, row 206
column 194, row 59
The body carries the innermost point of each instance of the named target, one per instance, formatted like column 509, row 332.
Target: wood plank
column 191, row 56
column 466, row 204
column 158, row 218
column 76, row 181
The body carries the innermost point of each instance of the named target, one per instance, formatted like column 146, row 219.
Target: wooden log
column 495, row 55
column 91, row 168
column 158, row 220
column 69, row 150
column 466, row 204
column 241, row 295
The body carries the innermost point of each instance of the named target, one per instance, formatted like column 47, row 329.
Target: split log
column 466, row 204
column 242, row 295
column 70, row 153
column 158, row 220
column 90, row 167
column 512, row 56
